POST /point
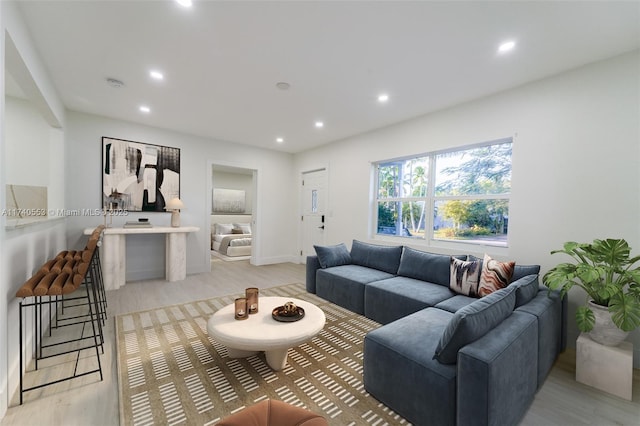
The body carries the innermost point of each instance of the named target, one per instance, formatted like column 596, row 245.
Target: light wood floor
column 87, row 401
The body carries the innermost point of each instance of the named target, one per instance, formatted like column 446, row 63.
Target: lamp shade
column 174, row 204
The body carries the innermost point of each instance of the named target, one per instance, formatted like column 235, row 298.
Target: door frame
column 301, row 242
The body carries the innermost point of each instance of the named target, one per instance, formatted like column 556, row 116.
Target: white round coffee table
column 260, row 332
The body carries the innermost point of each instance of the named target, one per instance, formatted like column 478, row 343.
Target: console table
column 114, row 257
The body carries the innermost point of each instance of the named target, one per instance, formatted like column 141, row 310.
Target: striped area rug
column 172, row 373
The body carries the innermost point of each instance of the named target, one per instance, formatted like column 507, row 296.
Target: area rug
column 171, row 372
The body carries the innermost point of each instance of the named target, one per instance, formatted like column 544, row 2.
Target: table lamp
column 174, row 205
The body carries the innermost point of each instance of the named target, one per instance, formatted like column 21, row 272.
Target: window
column 459, row 195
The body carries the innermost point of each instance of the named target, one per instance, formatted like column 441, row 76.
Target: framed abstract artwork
column 228, row 200
column 138, row 176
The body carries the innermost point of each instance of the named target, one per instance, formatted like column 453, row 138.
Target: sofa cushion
column 495, row 275
column 455, row 303
column 344, row 285
column 388, row 300
column 464, row 277
column 526, row 289
column 474, row 321
column 430, row 267
column 523, row 270
column 329, row 256
column 383, row 258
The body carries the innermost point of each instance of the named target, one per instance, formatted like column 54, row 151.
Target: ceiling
column 222, row 59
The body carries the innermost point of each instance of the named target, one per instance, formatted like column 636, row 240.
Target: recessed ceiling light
column 279, row 140
column 145, row 109
column 185, row 3
column 506, row 46
column 283, row 85
column 319, row 124
column 383, row 97
column 156, row 75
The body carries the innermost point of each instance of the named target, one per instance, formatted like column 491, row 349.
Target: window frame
column 430, row 199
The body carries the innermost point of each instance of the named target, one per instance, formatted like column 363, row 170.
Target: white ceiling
column 222, row 59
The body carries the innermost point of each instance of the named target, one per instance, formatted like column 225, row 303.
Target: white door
column 314, row 203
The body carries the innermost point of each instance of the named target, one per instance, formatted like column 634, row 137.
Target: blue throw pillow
column 526, row 289
column 329, row 256
column 382, row 258
column 474, row 321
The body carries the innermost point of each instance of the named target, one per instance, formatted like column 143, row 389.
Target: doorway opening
column 233, row 211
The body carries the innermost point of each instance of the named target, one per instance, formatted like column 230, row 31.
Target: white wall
column 145, row 254
column 576, row 162
column 24, row 249
column 25, row 132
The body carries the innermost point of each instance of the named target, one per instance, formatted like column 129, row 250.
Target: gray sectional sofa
column 442, row 358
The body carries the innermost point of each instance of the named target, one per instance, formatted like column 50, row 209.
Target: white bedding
column 231, row 234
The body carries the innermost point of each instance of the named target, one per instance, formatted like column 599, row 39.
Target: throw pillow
column 329, row 256
column 236, row 231
column 464, row 277
column 474, row 321
column 495, row 275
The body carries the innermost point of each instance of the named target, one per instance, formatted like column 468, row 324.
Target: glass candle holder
column 252, row 299
column 241, row 308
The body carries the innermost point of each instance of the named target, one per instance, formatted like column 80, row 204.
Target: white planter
column 605, row 331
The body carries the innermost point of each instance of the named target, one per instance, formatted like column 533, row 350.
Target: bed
column 231, row 235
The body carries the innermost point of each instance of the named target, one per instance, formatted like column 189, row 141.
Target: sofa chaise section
column 399, row 369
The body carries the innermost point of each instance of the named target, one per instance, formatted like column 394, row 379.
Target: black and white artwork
column 138, row 176
column 228, row 200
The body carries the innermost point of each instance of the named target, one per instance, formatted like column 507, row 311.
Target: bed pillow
column 245, row 227
column 474, row 321
column 329, row 256
column 223, row 228
column 465, row 276
column 495, row 275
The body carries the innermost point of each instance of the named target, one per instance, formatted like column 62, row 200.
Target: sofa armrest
column 313, row 264
column 497, row 374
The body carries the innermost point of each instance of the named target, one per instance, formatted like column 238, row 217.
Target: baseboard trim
column 276, row 259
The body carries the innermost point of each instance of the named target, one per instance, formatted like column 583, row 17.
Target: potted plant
column 605, row 270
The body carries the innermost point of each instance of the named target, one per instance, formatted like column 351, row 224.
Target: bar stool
column 69, row 282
